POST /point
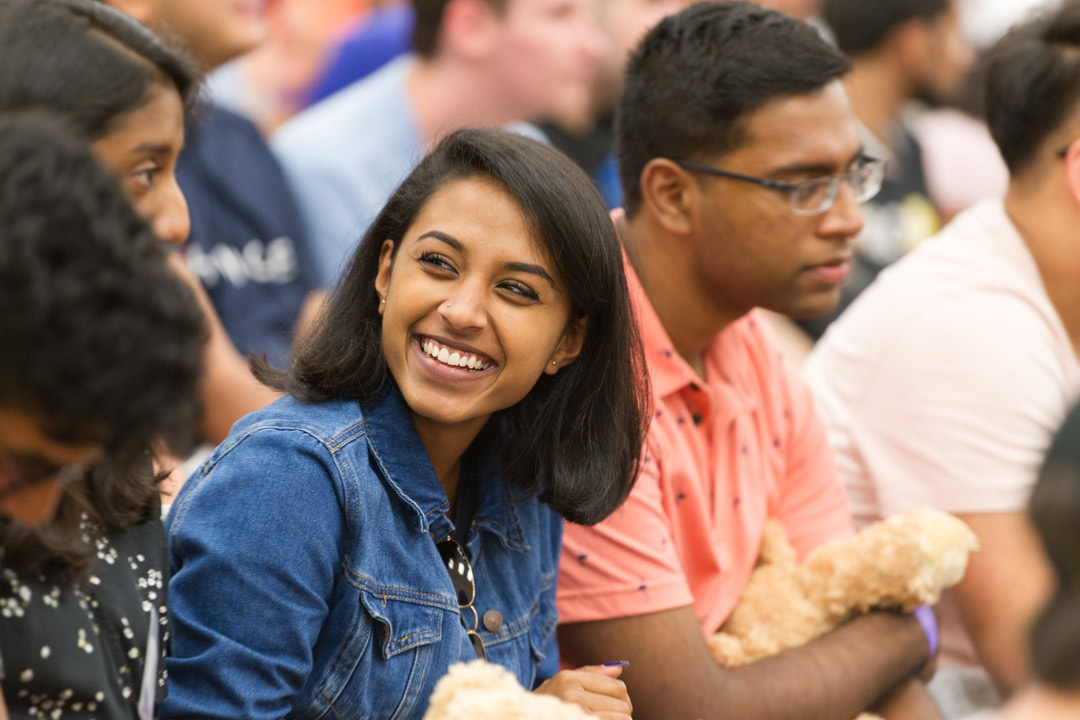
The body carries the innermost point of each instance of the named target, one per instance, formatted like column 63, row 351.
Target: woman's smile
column 462, row 360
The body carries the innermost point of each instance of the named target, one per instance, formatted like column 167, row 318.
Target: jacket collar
column 404, row 464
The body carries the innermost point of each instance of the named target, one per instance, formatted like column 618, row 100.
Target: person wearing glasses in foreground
column 476, row 375
column 944, row 386
column 100, row 347
column 742, row 170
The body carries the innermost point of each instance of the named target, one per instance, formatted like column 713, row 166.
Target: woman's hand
column 595, row 688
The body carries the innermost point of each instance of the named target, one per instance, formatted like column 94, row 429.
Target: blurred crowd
column 278, row 149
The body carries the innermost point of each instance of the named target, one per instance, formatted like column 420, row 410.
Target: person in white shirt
column 945, row 381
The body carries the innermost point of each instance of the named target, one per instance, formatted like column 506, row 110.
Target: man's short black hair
column 859, row 26
column 698, row 73
column 1032, row 83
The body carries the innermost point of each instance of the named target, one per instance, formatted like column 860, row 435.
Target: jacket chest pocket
column 388, row 665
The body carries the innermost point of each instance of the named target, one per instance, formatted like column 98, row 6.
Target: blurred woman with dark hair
column 127, row 93
column 100, row 347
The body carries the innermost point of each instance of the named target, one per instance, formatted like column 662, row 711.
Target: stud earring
column 382, row 301
column 554, row 363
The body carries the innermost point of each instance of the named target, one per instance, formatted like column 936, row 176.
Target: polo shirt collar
column 669, row 373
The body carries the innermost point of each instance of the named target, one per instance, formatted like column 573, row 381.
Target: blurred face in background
column 214, row 31
column 34, row 468
column 142, row 148
column 625, row 22
column 545, row 54
column 947, row 58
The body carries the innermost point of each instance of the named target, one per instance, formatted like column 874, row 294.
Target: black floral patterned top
column 91, row 652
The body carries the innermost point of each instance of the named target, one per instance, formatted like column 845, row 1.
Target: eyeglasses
column 19, row 472
column 815, row 196
column 461, row 575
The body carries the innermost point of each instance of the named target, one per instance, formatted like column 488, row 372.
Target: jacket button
column 493, row 621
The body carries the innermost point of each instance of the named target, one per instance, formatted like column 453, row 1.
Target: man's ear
column 382, row 278
column 469, row 29
column 670, row 194
column 569, row 347
column 1072, row 171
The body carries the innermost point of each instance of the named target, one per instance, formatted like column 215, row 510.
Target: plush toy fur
column 899, row 563
column 480, row 690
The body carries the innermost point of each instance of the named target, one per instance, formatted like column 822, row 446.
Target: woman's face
column 474, row 312
column 33, row 467
column 142, row 149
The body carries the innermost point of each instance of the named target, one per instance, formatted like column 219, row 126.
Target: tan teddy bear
column 899, row 563
column 478, row 690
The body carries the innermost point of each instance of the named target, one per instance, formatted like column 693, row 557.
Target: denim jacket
column 307, row 584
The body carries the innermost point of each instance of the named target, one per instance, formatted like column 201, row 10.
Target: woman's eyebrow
column 151, row 149
column 529, row 268
column 448, row 239
column 511, row 266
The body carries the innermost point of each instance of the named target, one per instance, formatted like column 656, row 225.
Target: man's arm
column 996, row 609
column 672, row 676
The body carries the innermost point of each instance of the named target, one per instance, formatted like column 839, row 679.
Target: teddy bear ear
column 775, row 548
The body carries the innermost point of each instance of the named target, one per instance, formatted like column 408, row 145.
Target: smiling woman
column 476, row 375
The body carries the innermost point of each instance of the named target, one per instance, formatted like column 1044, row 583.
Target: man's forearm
column 838, row 675
column 672, row 676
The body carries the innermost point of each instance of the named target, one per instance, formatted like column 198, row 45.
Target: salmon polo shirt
column 723, row 454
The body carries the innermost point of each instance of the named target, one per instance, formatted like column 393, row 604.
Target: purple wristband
column 925, row 615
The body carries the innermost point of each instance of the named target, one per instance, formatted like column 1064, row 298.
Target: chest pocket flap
column 405, row 623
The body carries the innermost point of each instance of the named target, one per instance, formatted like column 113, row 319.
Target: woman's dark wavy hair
column 99, row 339
column 84, row 60
column 1054, row 509
column 576, row 438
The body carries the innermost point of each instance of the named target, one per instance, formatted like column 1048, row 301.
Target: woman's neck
column 445, row 445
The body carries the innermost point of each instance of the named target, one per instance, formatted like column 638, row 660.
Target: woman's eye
column 146, row 176
column 435, row 260
column 523, row 290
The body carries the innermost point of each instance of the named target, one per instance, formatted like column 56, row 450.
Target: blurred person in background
column 1054, row 693
column 944, row 382
column 961, row 162
column 283, row 75
column 476, row 62
column 247, row 244
column 100, row 359
column 126, row 92
column 586, row 134
column 382, row 35
column 901, row 51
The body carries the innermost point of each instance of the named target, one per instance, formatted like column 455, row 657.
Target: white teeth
column 454, row 359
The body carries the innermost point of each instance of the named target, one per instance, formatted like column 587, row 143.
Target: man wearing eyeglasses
column 742, row 170
column 943, row 385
